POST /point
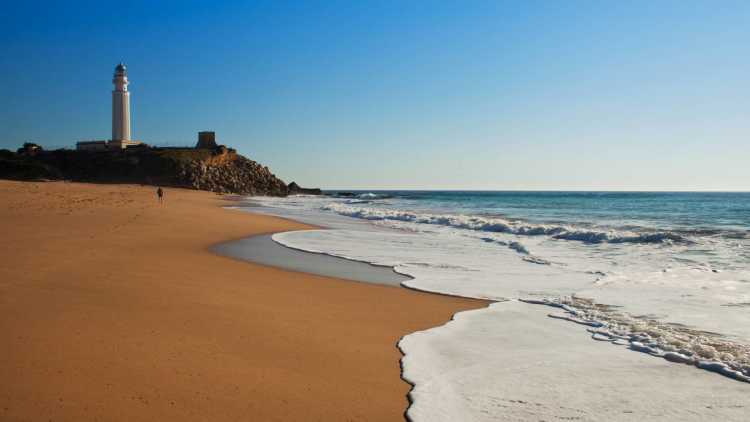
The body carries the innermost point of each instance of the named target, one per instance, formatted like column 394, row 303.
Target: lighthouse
column 121, row 105
column 120, row 117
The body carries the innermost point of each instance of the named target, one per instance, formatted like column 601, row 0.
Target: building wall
column 122, row 144
column 206, row 140
column 91, row 146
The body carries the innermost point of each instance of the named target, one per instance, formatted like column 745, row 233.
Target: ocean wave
column 500, row 225
column 370, row 195
column 367, row 195
column 605, row 237
column 673, row 342
column 518, row 247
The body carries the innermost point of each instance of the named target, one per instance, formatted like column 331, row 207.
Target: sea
column 664, row 273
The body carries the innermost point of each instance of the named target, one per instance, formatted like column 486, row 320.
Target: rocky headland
column 218, row 169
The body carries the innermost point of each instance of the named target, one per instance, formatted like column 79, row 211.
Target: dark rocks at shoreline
column 219, row 170
column 295, row 189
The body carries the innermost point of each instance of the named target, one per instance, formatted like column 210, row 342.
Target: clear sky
column 438, row 95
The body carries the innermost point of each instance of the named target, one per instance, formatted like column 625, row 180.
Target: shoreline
column 643, row 387
column 261, row 249
column 338, row 267
column 147, row 323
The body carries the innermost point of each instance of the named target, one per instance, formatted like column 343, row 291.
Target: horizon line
column 544, row 190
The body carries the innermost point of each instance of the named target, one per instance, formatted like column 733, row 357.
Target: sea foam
column 672, row 342
column 490, row 224
column 646, row 291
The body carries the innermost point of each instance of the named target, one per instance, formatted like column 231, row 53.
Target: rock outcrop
column 295, row 189
column 235, row 174
column 218, row 170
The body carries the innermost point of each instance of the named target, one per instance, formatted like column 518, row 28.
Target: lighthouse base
column 122, row 144
column 106, row 145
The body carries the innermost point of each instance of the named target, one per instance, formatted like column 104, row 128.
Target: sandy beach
column 375, row 211
column 113, row 308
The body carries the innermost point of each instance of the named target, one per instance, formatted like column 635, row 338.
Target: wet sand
column 112, row 307
column 262, row 249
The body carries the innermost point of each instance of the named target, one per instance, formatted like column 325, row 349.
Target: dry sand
column 112, row 308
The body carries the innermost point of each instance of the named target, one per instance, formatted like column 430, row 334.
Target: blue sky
column 437, row 95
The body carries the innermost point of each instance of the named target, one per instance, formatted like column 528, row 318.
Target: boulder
column 295, row 189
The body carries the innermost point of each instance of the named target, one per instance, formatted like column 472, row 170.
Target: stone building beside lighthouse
column 120, row 116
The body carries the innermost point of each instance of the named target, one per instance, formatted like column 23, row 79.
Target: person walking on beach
column 160, row 194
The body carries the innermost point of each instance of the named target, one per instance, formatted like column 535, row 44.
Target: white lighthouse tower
column 121, row 106
column 120, row 117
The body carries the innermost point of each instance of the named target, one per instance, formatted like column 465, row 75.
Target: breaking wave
column 367, row 195
column 500, row 225
column 370, row 195
column 672, row 342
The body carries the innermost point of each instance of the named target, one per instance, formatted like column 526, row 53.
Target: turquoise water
column 706, row 229
column 682, row 211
